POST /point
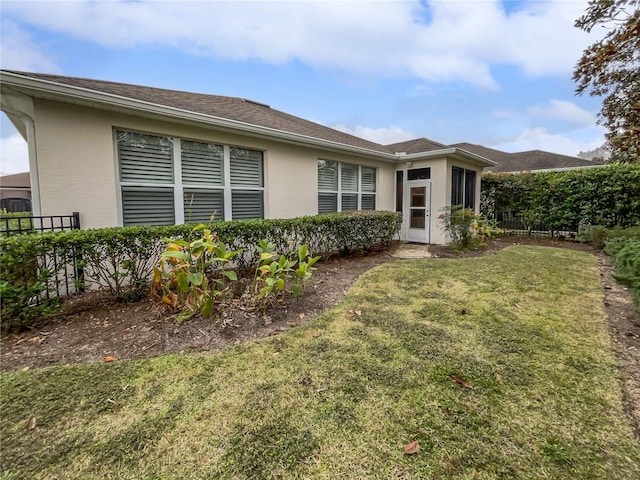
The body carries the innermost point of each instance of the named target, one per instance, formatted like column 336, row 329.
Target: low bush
column 623, row 246
column 627, row 262
column 120, row 260
column 465, row 229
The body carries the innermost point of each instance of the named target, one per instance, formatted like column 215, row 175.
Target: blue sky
column 488, row 72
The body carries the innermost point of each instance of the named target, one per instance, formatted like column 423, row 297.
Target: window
column 166, row 180
column 463, row 187
column 419, row 173
column 344, row 186
column 399, row 190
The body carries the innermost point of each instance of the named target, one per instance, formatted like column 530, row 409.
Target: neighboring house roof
column 223, row 112
column 17, row 181
column 529, row 161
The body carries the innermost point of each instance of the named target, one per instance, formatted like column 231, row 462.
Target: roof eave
column 107, row 99
column 450, row 152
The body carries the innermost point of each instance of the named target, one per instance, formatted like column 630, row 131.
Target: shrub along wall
column 607, row 196
column 121, row 259
column 623, row 246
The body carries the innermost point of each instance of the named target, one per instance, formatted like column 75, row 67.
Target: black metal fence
column 527, row 228
column 18, row 225
column 69, row 277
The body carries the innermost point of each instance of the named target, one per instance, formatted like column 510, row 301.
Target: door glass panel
column 418, row 197
column 417, row 218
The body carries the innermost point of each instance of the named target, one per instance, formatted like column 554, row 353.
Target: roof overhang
column 45, row 89
column 452, row 152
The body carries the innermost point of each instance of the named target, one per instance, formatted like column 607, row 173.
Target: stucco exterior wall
column 78, row 165
column 439, row 194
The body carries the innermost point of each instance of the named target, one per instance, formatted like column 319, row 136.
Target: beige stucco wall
column 78, row 166
column 439, row 194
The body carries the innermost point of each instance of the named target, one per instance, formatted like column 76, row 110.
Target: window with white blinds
column 344, row 186
column 166, row 180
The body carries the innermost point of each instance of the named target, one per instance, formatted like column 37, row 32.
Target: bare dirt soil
column 93, row 327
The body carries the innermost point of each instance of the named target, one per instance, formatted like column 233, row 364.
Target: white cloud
column 569, row 143
column 19, row 52
column 563, row 110
column 14, row 156
column 384, row 136
column 434, row 41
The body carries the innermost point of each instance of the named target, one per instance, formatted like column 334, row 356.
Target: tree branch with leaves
column 610, row 68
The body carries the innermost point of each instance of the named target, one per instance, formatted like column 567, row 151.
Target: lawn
column 498, row 366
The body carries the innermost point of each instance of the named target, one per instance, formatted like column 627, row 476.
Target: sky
column 481, row 71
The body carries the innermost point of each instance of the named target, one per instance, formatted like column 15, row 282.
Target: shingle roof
column 231, row 108
column 526, row 161
column 417, row 145
column 16, row 180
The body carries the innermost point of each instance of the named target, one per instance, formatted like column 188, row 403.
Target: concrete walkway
column 412, row 250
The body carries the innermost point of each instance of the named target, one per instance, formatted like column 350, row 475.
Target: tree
column 611, row 68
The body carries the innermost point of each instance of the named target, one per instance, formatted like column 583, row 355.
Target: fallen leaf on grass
column 292, row 324
column 301, row 316
column 519, row 306
column 411, row 448
column 461, row 381
column 499, row 378
column 32, row 423
column 110, row 358
column 358, row 312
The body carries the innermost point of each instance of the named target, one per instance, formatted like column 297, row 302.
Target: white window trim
column 178, row 186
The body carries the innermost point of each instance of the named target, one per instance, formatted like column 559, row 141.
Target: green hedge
column 606, row 196
column 120, row 259
column 623, row 246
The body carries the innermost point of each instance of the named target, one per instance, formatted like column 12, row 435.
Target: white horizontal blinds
column 368, row 188
column 368, row 179
column 246, row 167
column 147, row 205
column 349, row 178
column 327, row 202
column 355, row 189
column 202, row 163
column 327, row 176
column 145, row 158
column 246, row 204
column 327, row 186
column 208, row 178
column 203, row 205
column 349, row 201
column 368, row 202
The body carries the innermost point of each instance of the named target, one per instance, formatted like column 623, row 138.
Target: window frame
column 178, row 186
column 463, row 188
column 359, row 192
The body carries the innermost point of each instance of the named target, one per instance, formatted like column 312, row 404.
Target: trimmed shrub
column 120, row 260
column 607, row 196
column 626, row 257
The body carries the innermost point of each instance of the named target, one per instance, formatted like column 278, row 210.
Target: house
column 127, row 155
column 15, row 193
column 529, row 161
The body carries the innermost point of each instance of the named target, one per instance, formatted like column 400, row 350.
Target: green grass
column 341, row 396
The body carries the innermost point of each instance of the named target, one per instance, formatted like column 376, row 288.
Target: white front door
column 417, row 199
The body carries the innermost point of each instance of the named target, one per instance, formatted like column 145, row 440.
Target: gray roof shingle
column 230, row 108
column 526, row 161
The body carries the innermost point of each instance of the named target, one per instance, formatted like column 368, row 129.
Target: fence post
column 78, row 256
